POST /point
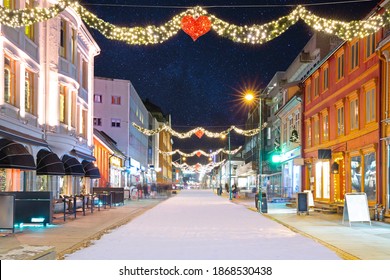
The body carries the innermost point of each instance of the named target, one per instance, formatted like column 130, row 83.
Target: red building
column 341, row 123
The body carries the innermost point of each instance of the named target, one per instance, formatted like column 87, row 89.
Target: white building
column 117, row 106
column 46, row 101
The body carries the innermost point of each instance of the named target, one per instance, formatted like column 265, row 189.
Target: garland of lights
column 199, row 131
column 200, row 152
column 197, row 167
column 254, row 34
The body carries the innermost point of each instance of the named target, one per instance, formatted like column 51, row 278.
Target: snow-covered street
column 198, row 225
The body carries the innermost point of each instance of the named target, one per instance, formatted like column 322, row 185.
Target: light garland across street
column 254, row 34
column 200, row 152
column 198, row 167
column 199, row 131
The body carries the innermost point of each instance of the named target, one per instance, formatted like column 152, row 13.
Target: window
column 316, row 131
column 326, row 79
column 10, row 4
column 316, row 86
column 354, row 55
column 116, row 100
column 370, row 176
column 340, row 121
column 73, row 47
column 308, row 134
column 325, row 127
column 370, row 105
column 284, row 140
column 308, row 93
column 9, row 80
column 97, row 98
column 356, row 174
column 370, row 45
column 340, row 66
column 84, row 122
column 63, row 39
column 29, row 29
column 63, row 104
column 115, row 123
column 85, row 75
column 322, row 179
column 29, row 92
column 354, row 114
column 97, row 121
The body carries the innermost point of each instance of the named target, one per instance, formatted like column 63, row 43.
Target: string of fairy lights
column 198, row 167
column 253, row 34
column 199, row 131
column 201, row 152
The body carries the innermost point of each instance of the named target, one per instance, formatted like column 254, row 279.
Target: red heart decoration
column 199, row 133
column 198, row 153
column 195, row 27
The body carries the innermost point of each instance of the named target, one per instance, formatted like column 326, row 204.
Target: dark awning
column 90, row 170
column 72, row 166
column 48, row 163
column 82, row 155
column 15, row 155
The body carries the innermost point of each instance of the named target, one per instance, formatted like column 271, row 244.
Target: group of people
column 235, row 190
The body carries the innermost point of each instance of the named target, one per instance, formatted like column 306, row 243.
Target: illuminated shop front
column 291, row 173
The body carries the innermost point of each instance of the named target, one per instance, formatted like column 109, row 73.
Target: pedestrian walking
column 145, row 189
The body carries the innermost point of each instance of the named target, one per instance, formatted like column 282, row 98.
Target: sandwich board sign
column 356, row 208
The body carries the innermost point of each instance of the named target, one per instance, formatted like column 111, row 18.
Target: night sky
column 199, row 83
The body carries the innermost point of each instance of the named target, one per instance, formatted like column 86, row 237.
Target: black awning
column 90, row 170
column 14, row 155
column 82, row 155
column 48, row 163
column 72, row 166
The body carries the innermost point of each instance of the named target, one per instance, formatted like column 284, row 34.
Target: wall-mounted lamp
column 335, row 168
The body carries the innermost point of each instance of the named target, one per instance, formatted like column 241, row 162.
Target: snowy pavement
column 198, row 225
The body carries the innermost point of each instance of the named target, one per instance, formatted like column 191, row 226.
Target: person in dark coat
column 145, row 189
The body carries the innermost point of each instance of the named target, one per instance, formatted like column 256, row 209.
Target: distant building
column 117, row 106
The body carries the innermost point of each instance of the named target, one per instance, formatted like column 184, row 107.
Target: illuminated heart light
column 199, row 133
column 195, row 27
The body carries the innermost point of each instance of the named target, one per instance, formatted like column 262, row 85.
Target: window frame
column 340, row 129
column 354, row 55
column 340, row 61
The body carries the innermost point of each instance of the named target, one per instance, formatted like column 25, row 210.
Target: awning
column 72, row 166
column 48, row 163
column 90, row 170
column 14, row 155
column 82, row 155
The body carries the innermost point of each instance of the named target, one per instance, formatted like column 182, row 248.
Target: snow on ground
column 198, row 225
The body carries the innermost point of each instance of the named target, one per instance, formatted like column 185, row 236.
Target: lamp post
column 250, row 97
column 230, row 170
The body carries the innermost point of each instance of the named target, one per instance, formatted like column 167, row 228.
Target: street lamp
column 250, row 96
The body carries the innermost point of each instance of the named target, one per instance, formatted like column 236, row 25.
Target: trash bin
column 264, row 205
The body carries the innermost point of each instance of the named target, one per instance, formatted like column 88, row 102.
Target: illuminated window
column 29, row 92
column 322, row 179
column 325, row 127
column 308, row 135
column 340, row 121
column 340, row 66
column 85, row 75
column 316, row 131
column 29, row 29
column 326, row 79
column 370, row 105
column 354, row 114
column 63, row 105
column 370, row 45
column 354, row 55
column 10, row 4
column 9, row 80
column 316, row 86
column 97, row 98
column 116, row 100
column 63, row 39
column 308, row 93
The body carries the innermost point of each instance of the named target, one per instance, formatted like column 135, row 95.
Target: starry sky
column 199, row 83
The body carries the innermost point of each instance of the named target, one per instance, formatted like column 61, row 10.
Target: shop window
column 322, row 180
column 356, row 174
column 370, row 176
